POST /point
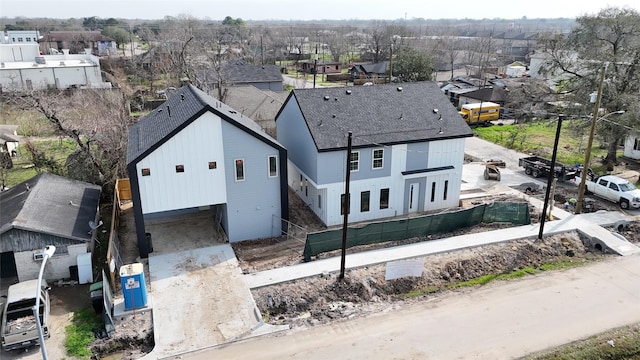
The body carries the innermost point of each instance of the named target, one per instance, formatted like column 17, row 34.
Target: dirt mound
column 324, row 298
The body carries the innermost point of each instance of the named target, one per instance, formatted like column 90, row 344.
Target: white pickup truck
column 614, row 189
column 19, row 328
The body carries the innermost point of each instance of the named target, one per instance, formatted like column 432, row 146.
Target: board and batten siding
column 294, row 135
column 253, row 204
column 194, row 147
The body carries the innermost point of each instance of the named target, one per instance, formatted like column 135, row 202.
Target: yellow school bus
column 480, row 113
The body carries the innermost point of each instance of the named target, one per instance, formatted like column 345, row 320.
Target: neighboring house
column 194, row 153
column 632, row 146
column 47, row 210
column 24, row 69
column 238, row 72
column 370, row 71
column 261, row 106
column 321, row 67
column 494, row 94
column 9, row 139
column 408, row 149
column 20, row 36
column 54, row 42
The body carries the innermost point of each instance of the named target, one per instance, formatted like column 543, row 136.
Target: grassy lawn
column 538, row 137
column 23, row 168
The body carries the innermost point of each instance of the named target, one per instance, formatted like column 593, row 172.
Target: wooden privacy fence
column 121, row 195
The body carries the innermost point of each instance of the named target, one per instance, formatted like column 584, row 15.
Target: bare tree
column 97, row 121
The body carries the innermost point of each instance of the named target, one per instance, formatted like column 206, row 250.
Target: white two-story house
column 194, row 154
column 408, row 149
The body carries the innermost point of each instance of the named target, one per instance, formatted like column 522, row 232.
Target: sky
column 307, row 10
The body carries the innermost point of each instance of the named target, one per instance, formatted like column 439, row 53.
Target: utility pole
column 390, row 63
column 345, row 209
column 587, row 153
column 315, row 67
column 551, row 178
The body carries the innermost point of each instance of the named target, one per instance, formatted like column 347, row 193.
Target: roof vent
column 435, row 111
column 348, row 92
column 40, row 60
column 399, row 88
column 336, row 99
column 327, row 97
column 62, row 63
column 333, row 116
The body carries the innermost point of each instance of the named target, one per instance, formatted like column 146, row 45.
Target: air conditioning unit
column 38, row 256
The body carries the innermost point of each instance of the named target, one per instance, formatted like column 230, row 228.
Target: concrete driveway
column 199, row 300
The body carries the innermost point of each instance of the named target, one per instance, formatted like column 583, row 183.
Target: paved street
column 500, row 321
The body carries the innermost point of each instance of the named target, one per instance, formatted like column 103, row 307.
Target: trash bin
column 97, row 297
column 149, row 242
column 73, row 272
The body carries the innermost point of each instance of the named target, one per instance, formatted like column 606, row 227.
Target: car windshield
column 627, row 186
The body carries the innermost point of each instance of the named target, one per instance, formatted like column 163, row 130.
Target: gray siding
column 417, row 156
column 293, row 134
column 252, row 203
column 333, row 165
column 17, row 240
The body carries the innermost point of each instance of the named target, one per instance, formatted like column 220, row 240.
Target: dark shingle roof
column 240, row 72
column 52, row 205
column 377, row 68
column 183, row 107
column 379, row 114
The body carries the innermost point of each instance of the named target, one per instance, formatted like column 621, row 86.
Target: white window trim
column 269, row 166
column 357, row 161
column 235, row 171
column 373, row 159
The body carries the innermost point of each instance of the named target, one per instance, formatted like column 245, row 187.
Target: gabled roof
column 255, row 103
column 50, row 204
column 493, row 94
column 183, row 107
column 380, row 114
column 377, row 68
column 239, row 71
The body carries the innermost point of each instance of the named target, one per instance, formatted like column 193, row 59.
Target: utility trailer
column 537, row 166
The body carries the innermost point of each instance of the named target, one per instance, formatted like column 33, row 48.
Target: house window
column 19, row 39
column 636, row 144
column 28, row 39
column 179, row 168
column 384, row 198
column 354, row 163
column 213, row 165
column 364, row 201
column 273, row 166
column 378, row 158
column 239, row 169
column 319, row 201
column 433, row 191
column 343, row 204
column 146, row 172
column 446, row 187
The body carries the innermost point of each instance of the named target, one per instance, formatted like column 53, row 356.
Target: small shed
column 47, row 210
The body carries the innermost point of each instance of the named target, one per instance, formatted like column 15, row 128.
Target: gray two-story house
column 192, row 154
column 408, row 149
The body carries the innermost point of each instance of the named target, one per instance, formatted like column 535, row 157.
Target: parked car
column 19, row 327
column 615, row 189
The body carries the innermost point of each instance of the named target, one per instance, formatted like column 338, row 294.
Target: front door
column 414, row 196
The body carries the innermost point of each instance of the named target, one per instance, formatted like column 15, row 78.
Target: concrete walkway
column 588, row 224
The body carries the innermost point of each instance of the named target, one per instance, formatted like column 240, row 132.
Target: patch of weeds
column 562, row 264
column 421, row 291
column 80, row 333
column 517, row 274
column 482, row 280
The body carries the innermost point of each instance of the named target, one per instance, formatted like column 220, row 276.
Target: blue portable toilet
column 134, row 287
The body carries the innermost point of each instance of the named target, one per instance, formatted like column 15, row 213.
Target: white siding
column 194, row 147
column 57, row 267
column 628, row 147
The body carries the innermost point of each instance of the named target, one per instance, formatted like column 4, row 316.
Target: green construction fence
column 394, row 230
